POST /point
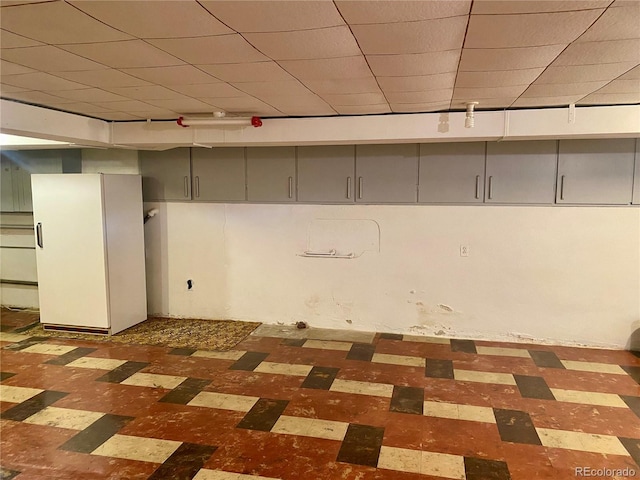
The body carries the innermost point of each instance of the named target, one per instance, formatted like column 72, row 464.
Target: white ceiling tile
column 328, row 68
column 287, row 102
column 417, row 83
column 218, row 89
column 91, row 95
column 414, row 64
column 631, row 74
column 50, row 23
column 176, row 75
column 500, row 78
column 9, row 3
column 211, row 50
column 591, row 53
column 243, row 72
column 486, row 103
column 348, row 85
column 125, row 106
column 562, row 89
column 433, row 96
column 359, row 12
column 411, row 37
column 470, row 94
column 158, row 114
column 506, row 31
column 40, row 98
column 582, row 73
column 610, row 99
column 146, row 92
column 556, row 101
column 8, row 68
column 81, row 107
column 275, row 16
column 182, row 105
column 258, row 89
column 490, row 59
column 362, row 109
column 615, row 24
column 41, row 81
column 128, row 54
column 621, row 86
column 306, row 44
column 119, row 116
column 308, row 111
column 419, row 107
column 11, row 40
column 355, row 99
column 501, row 7
column 7, row 89
column 49, row 59
column 145, row 19
column 103, row 78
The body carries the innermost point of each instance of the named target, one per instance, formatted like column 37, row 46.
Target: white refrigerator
column 89, row 251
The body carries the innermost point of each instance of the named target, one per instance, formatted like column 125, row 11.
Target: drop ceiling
column 132, row 60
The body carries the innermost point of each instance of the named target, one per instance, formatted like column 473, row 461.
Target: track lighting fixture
column 469, row 120
column 219, row 119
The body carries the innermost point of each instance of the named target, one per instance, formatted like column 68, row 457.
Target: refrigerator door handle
column 39, row 235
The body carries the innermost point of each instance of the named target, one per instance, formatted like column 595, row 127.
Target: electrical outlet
column 464, row 250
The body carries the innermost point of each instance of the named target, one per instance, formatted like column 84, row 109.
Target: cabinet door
column 387, row 173
column 271, row 173
column 166, row 175
column 326, row 174
column 636, row 177
column 451, row 173
column 6, row 187
column 218, row 174
column 521, row 172
column 596, row 171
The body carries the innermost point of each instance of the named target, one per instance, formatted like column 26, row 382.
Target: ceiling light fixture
column 219, row 119
column 469, row 120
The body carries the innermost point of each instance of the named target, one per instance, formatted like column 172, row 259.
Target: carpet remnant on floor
column 170, row 332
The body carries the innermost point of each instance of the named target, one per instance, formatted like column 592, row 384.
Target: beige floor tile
column 593, row 367
column 459, row 412
column 420, row 338
column 362, row 388
column 96, row 363
column 400, row 459
column 48, row 349
column 328, row 345
column 586, row 442
column 311, row 427
column 230, row 355
column 64, row 418
column 206, row 474
column 224, row 401
column 154, row 380
column 137, row 448
column 588, row 398
column 398, row 360
column 12, row 337
column 12, row 394
column 425, row 463
column 505, row 352
column 283, row 369
column 484, row 377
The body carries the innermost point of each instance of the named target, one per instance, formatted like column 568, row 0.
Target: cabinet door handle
column 197, row 186
column 186, row 186
column 477, row 186
column 360, row 184
column 348, row 187
column 290, row 187
column 490, row 187
column 39, row 235
column 562, row 187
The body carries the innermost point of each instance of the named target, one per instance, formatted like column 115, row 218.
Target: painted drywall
column 558, row 274
column 110, row 160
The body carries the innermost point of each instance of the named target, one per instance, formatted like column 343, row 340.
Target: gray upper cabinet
column 326, row 174
column 596, row 171
column 218, row 174
column 636, row 177
column 521, row 172
column 166, row 175
column 271, row 174
column 387, row 173
column 451, row 173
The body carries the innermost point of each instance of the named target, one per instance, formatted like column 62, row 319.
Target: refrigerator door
column 70, row 249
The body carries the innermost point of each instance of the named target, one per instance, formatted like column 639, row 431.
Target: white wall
column 558, row 274
column 110, row 160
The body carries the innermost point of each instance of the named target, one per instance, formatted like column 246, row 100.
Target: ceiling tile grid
column 136, row 59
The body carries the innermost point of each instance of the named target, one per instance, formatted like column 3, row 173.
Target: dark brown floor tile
column 407, row 400
column 28, row 342
column 439, row 368
column 533, row 387
column 96, row 434
column 122, row 372
column 5, row 375
column 293, row 342
column 263, row 415
column 482, row 469
column 186, row 391
column 249, row 361
column 633, row 403
column 633, row 447
column 465, row 346
column 184, row 463
column 361, row 445
column 182, row 351
column 71, row 356
column 361, row 351
column 516, row 426
column 391, row 336
column 7, row 473
column 545, row 359
column 320, row 378
column 32, row 406
column 633, row 371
